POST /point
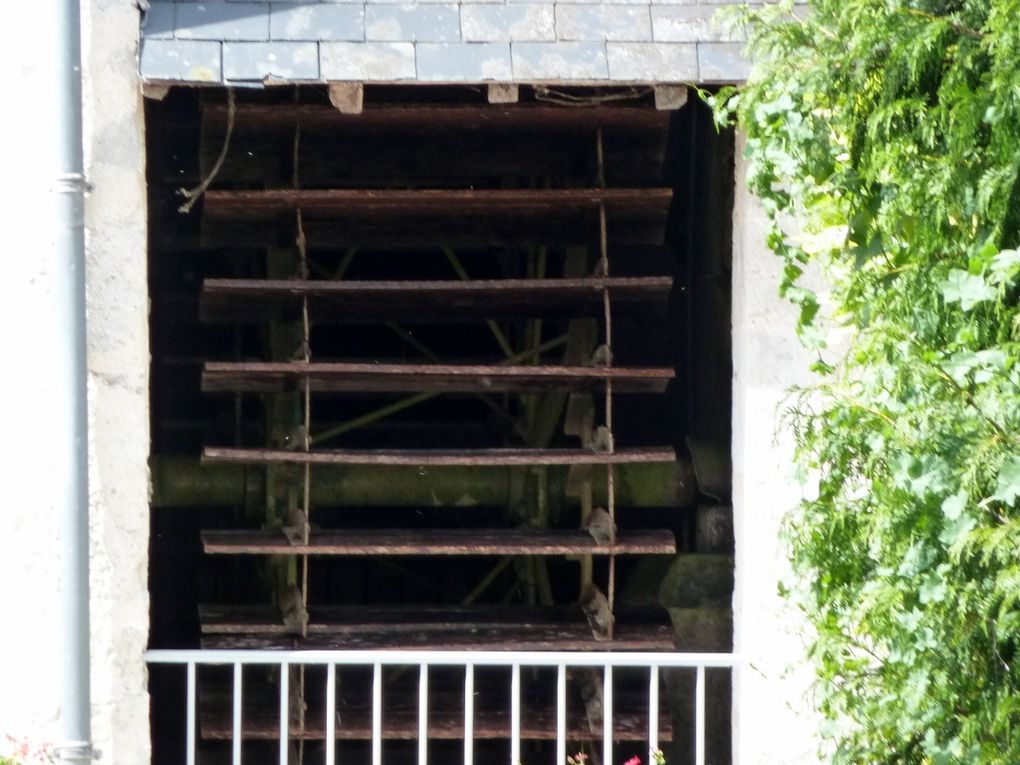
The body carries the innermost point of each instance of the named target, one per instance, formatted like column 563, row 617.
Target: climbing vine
column 889, row 130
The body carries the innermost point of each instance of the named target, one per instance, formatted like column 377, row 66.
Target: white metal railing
column 467, row 660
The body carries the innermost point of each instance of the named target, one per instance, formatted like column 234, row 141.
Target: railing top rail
column 445, row 658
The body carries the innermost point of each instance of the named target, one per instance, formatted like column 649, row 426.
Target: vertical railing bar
column 561, row 714
column 469, row 714
column 699, row 718
column 191, row 702
column 515, row 714
column 377, row 714
column 330, row 714
column 284, row 711
column 653, row 709
column 236, row 729
column 423, row 714
column 607, row 714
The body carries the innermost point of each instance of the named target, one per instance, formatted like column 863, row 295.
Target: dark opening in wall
column 442, row 374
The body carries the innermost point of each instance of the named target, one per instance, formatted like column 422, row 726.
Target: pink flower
column 635, row 760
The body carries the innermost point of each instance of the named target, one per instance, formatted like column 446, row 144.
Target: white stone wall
column 118, row 361
column 773, row 724
column 35, row 395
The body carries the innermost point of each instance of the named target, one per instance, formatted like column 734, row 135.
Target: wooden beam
column 418, row 117
column 438, row 457
column 254, row 300
column 439, row 542
column 345, row 203
column 563, row 628
column 269, row 377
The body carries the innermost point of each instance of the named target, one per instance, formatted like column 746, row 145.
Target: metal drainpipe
column 69, row 287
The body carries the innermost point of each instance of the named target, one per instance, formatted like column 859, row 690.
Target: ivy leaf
column 959, row 366
column 914, row 108
column 954, row 505
column 1008, row 485
column 966, row 289
column 1004, row 267
column 981, row 366
column 933, row 588
column 956, row 529
column 920, row 476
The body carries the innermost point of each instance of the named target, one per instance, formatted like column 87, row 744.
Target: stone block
column 713, row 532
column 603, row 22
column 526, row 22
column 698, row 581
column 248, row 61
column 463, row 62
column 188, row 60
column 702, row 629
column 722, row 62
column 304, row 21
column 367, row 62
column 652, row 62
column 158, row 21
column 684, row 23
column 644, row 3
column 413, row 23
column 559, row 61
column 222, row 21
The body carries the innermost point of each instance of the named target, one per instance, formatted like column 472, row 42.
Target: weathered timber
column 252, row 619
column 424, row 117
column 493, row 638
column 346, row 203
column 454, row 627
column 342, row 377
column 630, row 228
column 446, row 719
column 251, row 300
column 186, row 482
column 438, row 542
column 439, row 457
column 462, row 159
column 261, row 721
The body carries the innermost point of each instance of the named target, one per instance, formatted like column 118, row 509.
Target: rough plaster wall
column 118, row 360
column 772, row 721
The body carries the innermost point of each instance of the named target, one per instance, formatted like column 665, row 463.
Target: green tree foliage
column 890, row 131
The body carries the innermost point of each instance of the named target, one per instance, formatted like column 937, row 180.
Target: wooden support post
column 669, row 97
column 503, row 93
column 155, row 91
column 347, row 97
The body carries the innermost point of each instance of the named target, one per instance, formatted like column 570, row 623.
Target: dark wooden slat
column 499, row 637
column 438, row 542
column 256, row 205
column 631, row 228
column 419, row 117
column 446, row 720
column 359, row 621
column 270, row 377
column 438, row 457
column 250, row 300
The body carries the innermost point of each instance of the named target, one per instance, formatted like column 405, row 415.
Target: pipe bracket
column 76, row 751
column 70, row 183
